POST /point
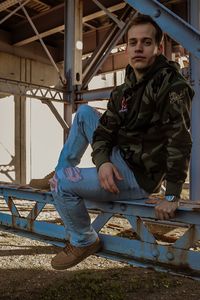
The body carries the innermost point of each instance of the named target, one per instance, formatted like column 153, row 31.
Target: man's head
column 144, row 39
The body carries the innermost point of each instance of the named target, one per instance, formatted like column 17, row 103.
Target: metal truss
column 102, row 52
column 145, row 249
column 10, row 87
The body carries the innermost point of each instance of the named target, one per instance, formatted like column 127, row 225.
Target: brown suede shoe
column 42, row 183
column 71, row 255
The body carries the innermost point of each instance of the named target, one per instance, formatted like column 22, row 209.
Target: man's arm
column 104, row 140
column 176, row 121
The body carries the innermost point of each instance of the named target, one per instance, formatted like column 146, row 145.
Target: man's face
column 142, row 48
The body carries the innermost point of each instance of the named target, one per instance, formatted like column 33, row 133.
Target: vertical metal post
column 20, row 139
column 195, row 81
column 20, row 125
column 72, row 53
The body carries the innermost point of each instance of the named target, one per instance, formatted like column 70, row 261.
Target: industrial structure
column 49, row 51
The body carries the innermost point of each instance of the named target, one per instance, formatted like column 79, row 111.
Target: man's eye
column 147, row 43
column 132, row 43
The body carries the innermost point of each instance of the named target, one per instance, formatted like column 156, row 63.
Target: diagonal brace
column 11, row 205
column 190, row 237
column 101, row 220
column 141, row 230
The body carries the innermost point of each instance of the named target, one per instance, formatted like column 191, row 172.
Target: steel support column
column 72, row 53
column 20, row 139
column 195, row 80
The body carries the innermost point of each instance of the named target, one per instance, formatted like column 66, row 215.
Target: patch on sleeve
column 177, row 96
column 72, row 174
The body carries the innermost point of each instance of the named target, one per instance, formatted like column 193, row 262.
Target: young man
column 142, row 139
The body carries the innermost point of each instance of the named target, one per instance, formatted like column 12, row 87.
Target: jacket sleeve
column 176, row 108
column 105, row 136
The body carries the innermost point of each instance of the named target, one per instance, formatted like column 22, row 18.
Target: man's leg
column 73, row 185
column 85, row 122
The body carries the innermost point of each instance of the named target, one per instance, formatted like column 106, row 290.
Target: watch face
column 170, row 198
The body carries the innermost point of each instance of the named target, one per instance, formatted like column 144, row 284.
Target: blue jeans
column 71, row 185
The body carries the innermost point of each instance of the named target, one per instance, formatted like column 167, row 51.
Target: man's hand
column 107, row 173
column 166, row 210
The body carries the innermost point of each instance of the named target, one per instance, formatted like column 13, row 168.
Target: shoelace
column 70, row 249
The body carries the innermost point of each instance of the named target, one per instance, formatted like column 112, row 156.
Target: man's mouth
column 138, row 57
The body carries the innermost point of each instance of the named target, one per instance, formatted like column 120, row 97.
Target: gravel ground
column 26, row 273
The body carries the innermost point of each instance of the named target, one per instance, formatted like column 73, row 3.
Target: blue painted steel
column 40, row 227
column 182, row 259
column 178, row 256
column 92, row 95
column 177, row 28
column 11, row 206
column 139, row 227
column 195, row 81
column 101, row 220
column 34, row 213
column 184, row 215
column 188, row 240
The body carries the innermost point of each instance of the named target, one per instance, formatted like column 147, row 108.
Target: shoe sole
column 78, row 260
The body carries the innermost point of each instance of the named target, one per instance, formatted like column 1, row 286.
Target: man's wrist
column 172, row 198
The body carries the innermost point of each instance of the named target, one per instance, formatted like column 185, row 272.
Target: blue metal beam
column 146, row 251
column 195, row 81
column 177, row 28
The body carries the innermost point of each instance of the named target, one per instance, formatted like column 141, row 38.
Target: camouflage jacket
column 149, row 121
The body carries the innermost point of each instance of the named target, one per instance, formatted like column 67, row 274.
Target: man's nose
column 139, row 47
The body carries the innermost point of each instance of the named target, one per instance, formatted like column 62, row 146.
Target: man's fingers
column 107, row 173
column 117, row 173
column 112, row 186
column 108, row 184
column 165, row 210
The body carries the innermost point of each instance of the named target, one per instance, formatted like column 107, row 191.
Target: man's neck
column 140, row 73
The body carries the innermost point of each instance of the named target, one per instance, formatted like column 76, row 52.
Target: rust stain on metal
column 10, row 203
column 30, row 225
column 138, row 226
column 191, row 238
column 34, row 211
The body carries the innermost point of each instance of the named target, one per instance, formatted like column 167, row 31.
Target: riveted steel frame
column 179, row 256
column 195, row 81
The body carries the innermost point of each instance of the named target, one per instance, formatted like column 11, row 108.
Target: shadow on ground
column 112, row 284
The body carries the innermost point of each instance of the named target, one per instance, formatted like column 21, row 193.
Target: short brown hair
column 145, row 19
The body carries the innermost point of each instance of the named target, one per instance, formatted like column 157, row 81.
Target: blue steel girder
column 148, row 251
column 177, row 28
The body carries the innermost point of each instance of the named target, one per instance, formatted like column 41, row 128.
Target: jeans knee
column 64, row 179
column 85, row 111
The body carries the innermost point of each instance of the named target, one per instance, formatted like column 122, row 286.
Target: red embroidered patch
column 124, row 105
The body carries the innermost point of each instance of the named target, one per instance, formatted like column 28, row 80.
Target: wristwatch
column 171, row 198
